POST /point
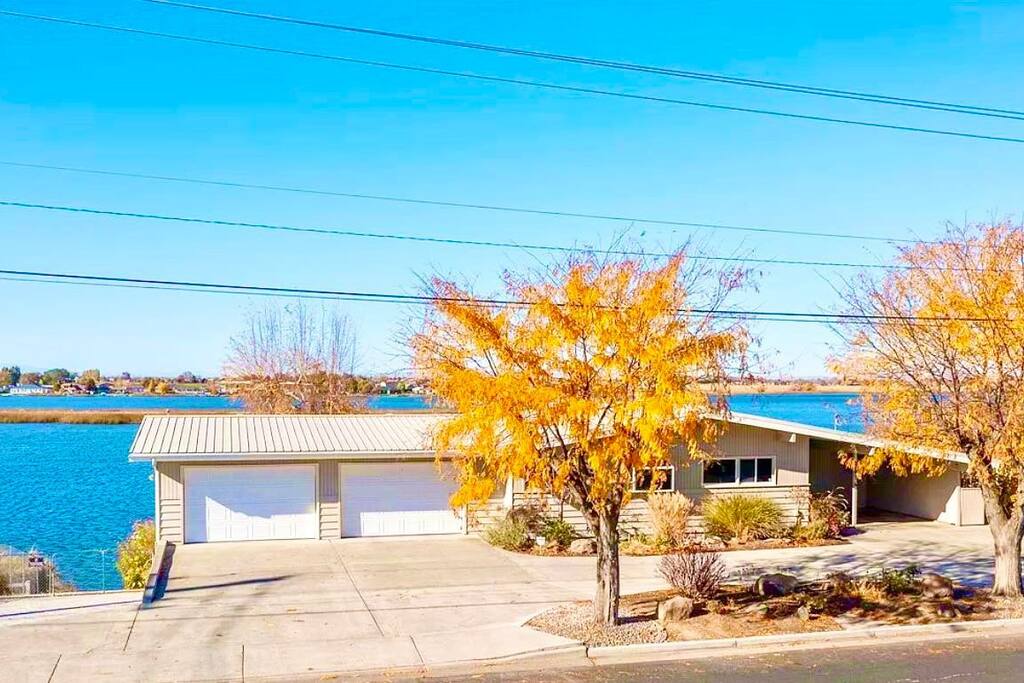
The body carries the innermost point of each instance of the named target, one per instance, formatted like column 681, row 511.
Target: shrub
column 530, row 515
column 637, row 544
column 898, row 581
column 829, row 509
column 695, row 575
column 742, row 518
column 669, row 515
column 558, row 532
column 135, row 554
column 511, row 533
column 814, row 531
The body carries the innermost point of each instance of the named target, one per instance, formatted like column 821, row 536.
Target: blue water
column 69, row 490
column 160, row 403
column 832, row 411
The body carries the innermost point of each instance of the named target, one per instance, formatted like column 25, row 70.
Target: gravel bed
column 576, row 621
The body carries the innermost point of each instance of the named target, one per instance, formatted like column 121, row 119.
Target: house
column 30, row 390
column 252, row 477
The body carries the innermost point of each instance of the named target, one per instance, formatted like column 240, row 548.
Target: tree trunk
column 606, row 599
column 1007, row 537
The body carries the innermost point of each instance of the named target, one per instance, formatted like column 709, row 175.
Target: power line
column 458, row 205
column 383, row 297
column 515, row 81
column 448, row 241
column 916, row 103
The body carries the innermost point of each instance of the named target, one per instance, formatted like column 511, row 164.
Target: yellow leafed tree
column 940, row 349
column 592, row 374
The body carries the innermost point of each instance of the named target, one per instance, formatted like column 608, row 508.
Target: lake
column 69, row 490
column 161, row 403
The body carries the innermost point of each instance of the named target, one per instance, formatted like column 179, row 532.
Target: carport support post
column 854, row 493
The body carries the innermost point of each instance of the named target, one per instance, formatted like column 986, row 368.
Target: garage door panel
column 396, row 499
column 240, row 503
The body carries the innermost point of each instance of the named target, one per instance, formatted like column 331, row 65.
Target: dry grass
column 84, row 417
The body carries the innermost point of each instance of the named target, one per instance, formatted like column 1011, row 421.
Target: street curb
column 156, row 583
column 559, row 656
column 694, row 648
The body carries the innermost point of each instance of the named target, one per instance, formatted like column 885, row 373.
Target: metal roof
column 246, row 437
column 836, row 435
column 197, row 437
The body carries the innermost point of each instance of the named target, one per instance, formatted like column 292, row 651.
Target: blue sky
column 81, row 97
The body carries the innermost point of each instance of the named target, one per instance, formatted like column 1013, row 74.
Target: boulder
column 757, row 611
column 944, row 610
column 839, row 582
column 803, row 612
column 774, row 585
column 710, row 543
column 675, row 609
column 935, row 586
column 583, row 546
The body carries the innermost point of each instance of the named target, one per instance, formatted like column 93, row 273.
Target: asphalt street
column 975, row 659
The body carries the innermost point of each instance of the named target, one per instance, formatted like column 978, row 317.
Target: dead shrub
column 670, row 513
column 695, row 575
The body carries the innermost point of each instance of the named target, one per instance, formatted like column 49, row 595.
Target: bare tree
column 293, row 359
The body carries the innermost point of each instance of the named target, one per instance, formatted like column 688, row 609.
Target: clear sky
column 81, row 97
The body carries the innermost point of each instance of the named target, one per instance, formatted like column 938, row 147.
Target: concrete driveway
column 290, row 608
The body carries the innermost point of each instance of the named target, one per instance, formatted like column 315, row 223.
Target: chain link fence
column 30, row 572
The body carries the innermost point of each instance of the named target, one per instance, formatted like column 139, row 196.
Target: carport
column 947, row 498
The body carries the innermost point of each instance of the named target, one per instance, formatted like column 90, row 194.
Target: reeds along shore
column 82, row 417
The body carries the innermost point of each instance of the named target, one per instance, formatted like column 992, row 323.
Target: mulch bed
column 736, row 612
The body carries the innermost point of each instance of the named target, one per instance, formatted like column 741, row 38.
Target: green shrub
column 511, row 533
column 530, row 515
column 670, row 513
column 135, row 554
column 742, row 518
column 558, row 532
column 898, row 581
column 814, row 531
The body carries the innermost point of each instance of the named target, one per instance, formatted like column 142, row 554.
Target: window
column 643, row 477
column 740, row 472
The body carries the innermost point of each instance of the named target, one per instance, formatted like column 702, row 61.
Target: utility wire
column 382, row 297
column 952, row 107
column 515, row 81
column 448, row 241
column 458, row 205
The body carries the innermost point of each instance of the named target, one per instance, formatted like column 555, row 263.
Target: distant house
column 30, row 390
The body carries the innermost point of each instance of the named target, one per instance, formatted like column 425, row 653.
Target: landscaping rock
column 757, row 611
column 944, row 609
column 803, row 612
column 936, row 586
column 839, row 582
column 774, row 585
column 675, row 609
column 583, row 546
column 710, row 543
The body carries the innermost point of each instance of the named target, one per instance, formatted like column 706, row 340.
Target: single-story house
column 29, row 390
column 251, row 477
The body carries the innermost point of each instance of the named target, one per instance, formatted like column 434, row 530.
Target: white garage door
column 250, row 503
column 396, row 499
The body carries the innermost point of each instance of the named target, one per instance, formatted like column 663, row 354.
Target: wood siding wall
column 791, row 464
column 170, row 502
column 635, row 517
